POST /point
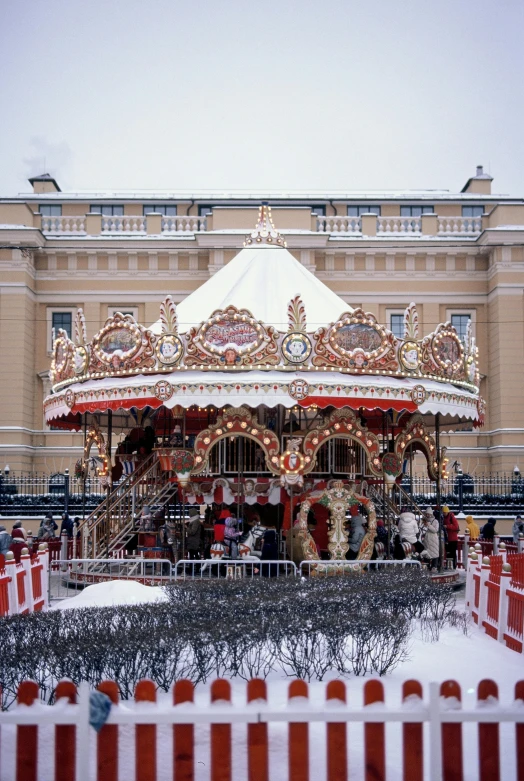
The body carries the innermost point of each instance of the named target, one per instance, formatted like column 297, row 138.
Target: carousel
column 265, row 393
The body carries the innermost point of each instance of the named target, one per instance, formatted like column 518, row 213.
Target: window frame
column 318, row 210
column 99, row 209
column 44, row 207
column 125, row 310
column 395, row 312
column 473, row 216
column 364, row 209
column 153, row 209
column 49, row 319
column 471, row 313
column 424, row 209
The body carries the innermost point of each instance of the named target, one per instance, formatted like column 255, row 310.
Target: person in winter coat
column 356, row 536
column 49, row 517
column 193, row 533
column 5, row 540
column 488, row 530
column 67, row 525
column 408, row 527
column 219, row 528
column 269, row 545
column 231, row 536
column 430, row 538
column 474, row 531
column 451, row 525
column 18, row 540
column 518, row 528
column 46, row 531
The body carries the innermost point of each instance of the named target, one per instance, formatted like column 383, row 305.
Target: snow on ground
column 114, row 592
column 467, row 659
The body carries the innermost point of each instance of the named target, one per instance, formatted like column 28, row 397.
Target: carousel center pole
column 440, row 525
column 108, row 450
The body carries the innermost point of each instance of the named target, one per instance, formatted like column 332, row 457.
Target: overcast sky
column 164, row 94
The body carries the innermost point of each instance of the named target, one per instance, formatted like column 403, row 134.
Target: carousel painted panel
column 122, row 345
column 232, row 337
column 356, row 342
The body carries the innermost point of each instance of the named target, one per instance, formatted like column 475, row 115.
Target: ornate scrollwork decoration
column 342, row 423
column 232, row 337
column 237, row 421
column 416, row 436
column 122, row 346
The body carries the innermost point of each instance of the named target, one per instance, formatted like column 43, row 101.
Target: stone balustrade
column 339, row 224
column 63, row 224
column 465, row 226
column 367, row 225
column 183, row 224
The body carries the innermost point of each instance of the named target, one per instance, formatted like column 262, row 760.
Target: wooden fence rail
column 24, row 587
column 442, row 711
column 495, row 594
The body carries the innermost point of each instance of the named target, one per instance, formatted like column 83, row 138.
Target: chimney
column 44, row 184
column 479, row 184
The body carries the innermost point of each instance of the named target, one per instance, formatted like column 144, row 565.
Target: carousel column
column 109, row 461
column 440, row 528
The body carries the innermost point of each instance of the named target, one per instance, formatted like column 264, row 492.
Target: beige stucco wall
column 483, row 275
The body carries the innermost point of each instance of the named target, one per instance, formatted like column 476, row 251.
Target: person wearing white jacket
column 408, row 527
column 430, row 532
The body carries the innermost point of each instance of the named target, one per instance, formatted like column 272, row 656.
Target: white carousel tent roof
column 262, row 278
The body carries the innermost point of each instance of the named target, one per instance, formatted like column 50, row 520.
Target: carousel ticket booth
column 265, row 393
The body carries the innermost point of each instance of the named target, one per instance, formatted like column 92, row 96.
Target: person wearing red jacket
column 451, row 525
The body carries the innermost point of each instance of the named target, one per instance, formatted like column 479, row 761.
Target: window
column 124, row 310
column 50, row 211
column 62, row 320
column 396, row 325
column 59, row 317
column 204, row 210
column 416, row 211
column 320, row 211
column 167, row 211
column 460, row 323
column 357, row 211
column 112, row 210
column 472, row 211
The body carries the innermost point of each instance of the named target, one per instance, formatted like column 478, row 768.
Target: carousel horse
column 246, row 545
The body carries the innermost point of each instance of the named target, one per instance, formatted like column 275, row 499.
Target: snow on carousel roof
column 262, row 278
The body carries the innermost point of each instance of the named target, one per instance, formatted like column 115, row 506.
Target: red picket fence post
column 257, row 741
column 336, row 734
column 145, row 736
column 489, row 751
column 183, row 736
column 374, row 736
column 221, row 735
column 519, row 733
column 65, row 737
column 298, row 738
column 27, row 736
column 413, row 753
column 452, row 765
column 107, row 739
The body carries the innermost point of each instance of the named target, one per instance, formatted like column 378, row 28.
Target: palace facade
column 459, row 256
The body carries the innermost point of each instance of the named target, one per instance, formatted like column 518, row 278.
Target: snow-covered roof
column 244, row 196
column 262, row 279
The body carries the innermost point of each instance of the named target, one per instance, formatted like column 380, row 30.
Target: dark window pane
column 171, row 211
column 50, row 211
column 428, row 209
column 62, row 320
column 118, row 211
column 460, row 323
column 203, row 210
column 319, row 210
column 396, row 325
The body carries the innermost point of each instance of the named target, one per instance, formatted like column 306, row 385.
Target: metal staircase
column 112, row 525
column 390, row 504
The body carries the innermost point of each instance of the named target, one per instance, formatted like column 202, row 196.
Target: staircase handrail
column 122, row 489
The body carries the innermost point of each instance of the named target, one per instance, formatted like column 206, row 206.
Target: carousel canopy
column 263, row 331
column 261, row 278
